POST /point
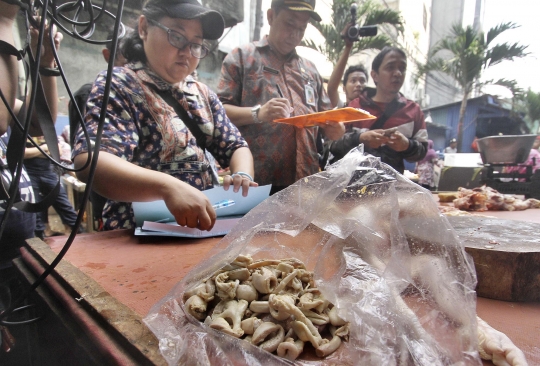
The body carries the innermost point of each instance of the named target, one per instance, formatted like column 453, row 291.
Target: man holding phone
column 399, row 133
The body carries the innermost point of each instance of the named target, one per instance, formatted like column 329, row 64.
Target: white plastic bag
column 381, row 253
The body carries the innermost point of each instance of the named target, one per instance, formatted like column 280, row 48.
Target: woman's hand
column 241, row 162
column 189, row 206
column 119, row 180
column 238, row 181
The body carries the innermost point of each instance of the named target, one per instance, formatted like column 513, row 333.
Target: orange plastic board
column 335, row 115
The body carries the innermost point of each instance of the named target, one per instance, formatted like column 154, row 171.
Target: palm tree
column 532, row 102
column 471, row 53
column 512, row 85
column 368, row 13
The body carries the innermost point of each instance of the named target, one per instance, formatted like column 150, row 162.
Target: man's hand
column 47, row 55
column 332, row 130
column 376, row 138
column 373, row 138
column 238, row 181
column 348, row 42
column 45, row 149
column 275, row 108
column 33, row 152
column 398, row 142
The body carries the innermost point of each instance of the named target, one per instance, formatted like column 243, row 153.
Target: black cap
column 297, row 5
column 453, row 140
column 211, row 20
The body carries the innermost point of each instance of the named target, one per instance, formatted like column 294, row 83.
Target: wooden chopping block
column 506, row 255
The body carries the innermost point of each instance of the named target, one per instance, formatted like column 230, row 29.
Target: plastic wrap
column 381, row 253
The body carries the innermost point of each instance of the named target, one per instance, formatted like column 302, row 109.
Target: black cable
column 92, row 158
column 14, row 186
column 95, row 156
column 221, row 39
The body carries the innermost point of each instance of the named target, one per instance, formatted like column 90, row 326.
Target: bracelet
column 243, row 175
column 49, row 71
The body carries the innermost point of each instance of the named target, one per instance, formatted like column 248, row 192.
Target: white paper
column 221, row 227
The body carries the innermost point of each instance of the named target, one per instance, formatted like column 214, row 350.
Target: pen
column 168, row 219
column 282, row 96
column 222, row 204
column 279, row 91
column 217, row 206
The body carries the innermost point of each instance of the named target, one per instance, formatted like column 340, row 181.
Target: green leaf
column 504, row 52
column 498, row 29
column 466, row 53
column 532, row 100
column 368, row 13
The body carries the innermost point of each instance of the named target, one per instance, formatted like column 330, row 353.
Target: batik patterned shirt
column 142, row 128
column 282, row 153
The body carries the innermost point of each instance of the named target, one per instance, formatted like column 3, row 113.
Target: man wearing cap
column 266, row 80
column 452, row 149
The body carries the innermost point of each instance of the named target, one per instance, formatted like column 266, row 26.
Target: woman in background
column 425, row 168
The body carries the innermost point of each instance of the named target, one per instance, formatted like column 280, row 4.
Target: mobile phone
column 389, row 131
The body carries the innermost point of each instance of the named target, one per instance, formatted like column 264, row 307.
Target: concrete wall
column 80, row 60
column 81, row 63
column 417, row 16
column 443, row 89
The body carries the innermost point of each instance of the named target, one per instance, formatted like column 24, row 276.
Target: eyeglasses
column 177, row 40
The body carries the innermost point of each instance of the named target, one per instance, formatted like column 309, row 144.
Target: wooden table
column 115, row 278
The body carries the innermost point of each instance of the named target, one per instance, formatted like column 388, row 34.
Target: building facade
column 484, row 116
column 440, row 88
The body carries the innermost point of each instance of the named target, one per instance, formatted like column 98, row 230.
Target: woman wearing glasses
column 148, row 150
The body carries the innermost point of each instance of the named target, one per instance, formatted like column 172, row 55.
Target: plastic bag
column 381, row 253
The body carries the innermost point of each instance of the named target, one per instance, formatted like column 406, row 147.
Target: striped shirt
column 25, row 185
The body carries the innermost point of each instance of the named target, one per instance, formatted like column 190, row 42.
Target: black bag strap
column 192, row 126
column 390, row 109
column 8, row 49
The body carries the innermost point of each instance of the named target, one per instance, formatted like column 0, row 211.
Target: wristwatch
column 255, row 113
